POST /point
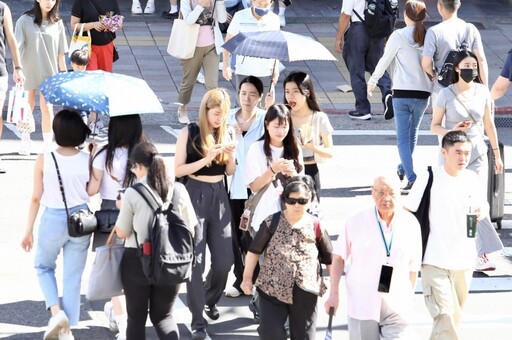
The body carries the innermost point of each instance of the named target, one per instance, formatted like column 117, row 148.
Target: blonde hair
column 215, row 98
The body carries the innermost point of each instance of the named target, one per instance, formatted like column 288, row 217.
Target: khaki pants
column 206, row 57
column 445, row 292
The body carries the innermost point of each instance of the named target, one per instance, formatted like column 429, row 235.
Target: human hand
column 333, row 302
column 498, row 165
column 214, row 152
column 229, row 148
column 369, row 88
column 18, row 76
column 338, row 45
column 229, row 18
column 308, row 145
column 98, row 26
column 247, row 287
column 462, row 126
column 27, row 242
column 270, row 99
column 226, row 72
column 203, row 3
column 92, row 147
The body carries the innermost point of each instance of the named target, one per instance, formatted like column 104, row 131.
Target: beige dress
column 39, row 49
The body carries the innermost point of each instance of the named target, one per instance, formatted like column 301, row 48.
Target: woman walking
column 110, row 173
column 289, row 281
column 134, row 217
column 466, row 105
column 312, row 126
column 411, row 85
column 70, row 131
column 208, row 14
column 205, row 152
column 41, row 37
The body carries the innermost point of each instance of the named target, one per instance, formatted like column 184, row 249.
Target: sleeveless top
column 3, row 68
column 194, row 144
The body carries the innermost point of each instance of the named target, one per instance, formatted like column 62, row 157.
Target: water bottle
column 394, row 4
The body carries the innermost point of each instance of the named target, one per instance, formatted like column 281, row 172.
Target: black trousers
column 312, row 170
column 302, row 316
column 139, row 294
column 241, row 240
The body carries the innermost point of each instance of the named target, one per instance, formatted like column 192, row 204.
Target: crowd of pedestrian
column 278, row 255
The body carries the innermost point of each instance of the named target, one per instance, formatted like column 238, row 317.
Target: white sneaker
column 109, row 312
column 200, row 78
column 483, row 264
column 136, row 9
column 183, row 119
column 282, row 21
column 121, row 325
column 55, row 325
column 150, row 8
column 66, row 336
column 232, row 292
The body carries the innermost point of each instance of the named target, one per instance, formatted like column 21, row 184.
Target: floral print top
column 292, row 255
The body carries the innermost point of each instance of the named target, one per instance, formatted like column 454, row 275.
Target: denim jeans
column 408, row 115
column 361, row 54
column 52, row 237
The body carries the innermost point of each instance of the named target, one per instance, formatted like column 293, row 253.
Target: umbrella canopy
column 105, row 93
column 280, row 45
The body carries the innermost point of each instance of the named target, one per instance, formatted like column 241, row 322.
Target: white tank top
column 74, row 171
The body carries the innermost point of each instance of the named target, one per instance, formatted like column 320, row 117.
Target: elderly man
column 381, row 246
column 448, row 263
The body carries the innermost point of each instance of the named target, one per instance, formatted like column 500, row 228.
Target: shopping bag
column 18, row 110
column 105, row 277
column 79, row 42
column 183, row 39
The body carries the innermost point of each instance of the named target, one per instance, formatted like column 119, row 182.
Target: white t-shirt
column 256, row 165
column 361, row 245
column 349, row 6
column 451, row 198
column 111, row 182
column 244, row 21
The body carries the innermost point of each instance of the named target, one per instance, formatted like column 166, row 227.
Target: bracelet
column 18, row 68
column 494, row 149
column 270, row 167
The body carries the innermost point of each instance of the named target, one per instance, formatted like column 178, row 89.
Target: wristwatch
column 18, row 68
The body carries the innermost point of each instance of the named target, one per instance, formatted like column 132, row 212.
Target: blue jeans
column 408, row 115
column 361, row 54
column 52, row 237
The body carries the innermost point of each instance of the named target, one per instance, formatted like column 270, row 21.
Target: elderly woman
column 289, row 281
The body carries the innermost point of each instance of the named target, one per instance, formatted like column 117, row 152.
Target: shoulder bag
column 81, row 222
column 80, row 41
column 183, row 39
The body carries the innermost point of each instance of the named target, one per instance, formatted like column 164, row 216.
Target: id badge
column 386, row 272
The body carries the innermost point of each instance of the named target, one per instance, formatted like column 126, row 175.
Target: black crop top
column 192, row 155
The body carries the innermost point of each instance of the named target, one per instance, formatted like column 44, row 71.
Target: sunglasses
column 293, row 201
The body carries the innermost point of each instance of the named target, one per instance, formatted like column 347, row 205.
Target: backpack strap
column 148, row 196
column 275, row 221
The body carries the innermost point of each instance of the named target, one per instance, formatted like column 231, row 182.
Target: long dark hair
column 461, row 55
column 35, row 11
column 290, row 147
column 305, row 85
column 123, row 131
column 416, row 11
column 147, row 155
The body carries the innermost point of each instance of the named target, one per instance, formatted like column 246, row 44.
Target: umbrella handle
column 272, row 75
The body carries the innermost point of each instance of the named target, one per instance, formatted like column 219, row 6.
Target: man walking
column 361, row 54
column 504, row 81
column 450, row 253
column 449, row 35
column 382, row 244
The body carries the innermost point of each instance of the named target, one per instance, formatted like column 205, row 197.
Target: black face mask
column 468, row 74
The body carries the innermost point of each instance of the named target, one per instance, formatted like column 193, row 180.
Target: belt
column 354, row 23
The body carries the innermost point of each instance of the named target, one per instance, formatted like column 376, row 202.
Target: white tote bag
column 183, row 39
column 80, row 42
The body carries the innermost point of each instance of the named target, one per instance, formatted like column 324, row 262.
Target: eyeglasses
column 293, row 201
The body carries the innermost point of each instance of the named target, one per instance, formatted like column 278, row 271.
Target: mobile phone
column 386, row 272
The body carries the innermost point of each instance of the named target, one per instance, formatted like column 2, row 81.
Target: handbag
column 183, row 39
column 106, row 219
column 422, row 212
column 105, row 278
column 80, row 41
column 80, row 223
column 115, row 55
column 18, row 110
column 250, row 207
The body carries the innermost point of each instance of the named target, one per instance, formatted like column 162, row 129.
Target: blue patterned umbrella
column 111, row 94
column 280, row 45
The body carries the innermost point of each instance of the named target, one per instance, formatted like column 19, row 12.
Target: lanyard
column 388, row 248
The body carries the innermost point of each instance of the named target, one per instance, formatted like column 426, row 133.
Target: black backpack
column 168, row 253
column 379, row 18
column 444, row 76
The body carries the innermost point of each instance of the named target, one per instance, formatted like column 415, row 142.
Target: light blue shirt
column 238, row 189
column 232, row 3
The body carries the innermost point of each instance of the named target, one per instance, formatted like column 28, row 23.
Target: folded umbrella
column 328, row 333
column 111, row 94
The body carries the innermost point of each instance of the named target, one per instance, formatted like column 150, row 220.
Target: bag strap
column 61, row 186
column 275, row 222
column 357, row 15
column 148, row 196
column 469, row 113
column 46, row 52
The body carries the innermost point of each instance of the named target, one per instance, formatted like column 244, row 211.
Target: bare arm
column 413, row 276
column 437, row 120
column 251, row 259
column 93, row 186
column 500, row 86
column 17, row 75
column 96, row 25
column 336, row 271
column 490, row 130
column 342, row 27
column 226, row 68
column 426, row 64
column 63, row 67
column 35, row 200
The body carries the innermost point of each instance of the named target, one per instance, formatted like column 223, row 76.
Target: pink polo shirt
column 361, row 245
